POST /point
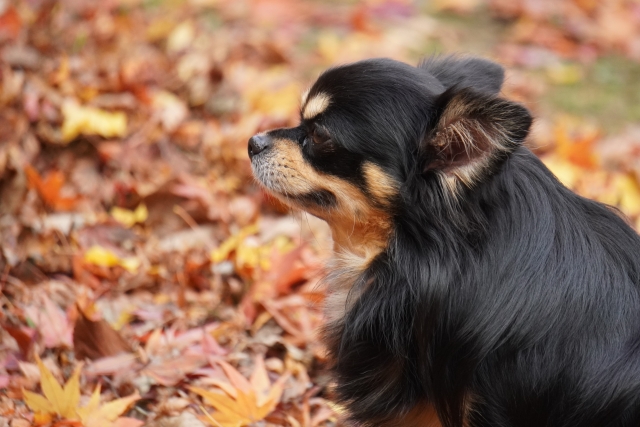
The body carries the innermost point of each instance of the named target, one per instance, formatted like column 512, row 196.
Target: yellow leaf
column 248, row 405
column 629, row 193
column 222, row 402
column 280, row 102
column 565, row 171
column 564, row 74
column 78, row 120
column 71, row 395
column 37, row 402
column 57, row 399
column 91, row 406
column 231, row 244
column 105, row 415
column 128, row 217
column 97, row 255
column 63, row 401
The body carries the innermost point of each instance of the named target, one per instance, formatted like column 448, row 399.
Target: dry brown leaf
column 96, row 339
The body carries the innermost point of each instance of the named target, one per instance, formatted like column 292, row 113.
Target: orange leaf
column 10, row 23
column 49, row 187
column 251, row 402
column 577, row 147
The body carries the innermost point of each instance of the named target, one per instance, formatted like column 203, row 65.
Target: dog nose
column 258, row 143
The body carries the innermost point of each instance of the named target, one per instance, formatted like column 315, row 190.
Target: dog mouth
column 278, row 179
column 268, row 177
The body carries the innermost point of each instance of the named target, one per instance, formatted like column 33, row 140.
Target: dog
column 468, row 286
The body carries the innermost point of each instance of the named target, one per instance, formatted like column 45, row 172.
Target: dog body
column 468, row 287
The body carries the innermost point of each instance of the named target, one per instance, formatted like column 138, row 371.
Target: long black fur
column 517, row 304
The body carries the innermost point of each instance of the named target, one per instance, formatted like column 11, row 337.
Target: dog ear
column 476, row 73
column 474, row 130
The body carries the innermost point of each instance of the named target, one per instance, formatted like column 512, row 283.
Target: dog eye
column 319, row 136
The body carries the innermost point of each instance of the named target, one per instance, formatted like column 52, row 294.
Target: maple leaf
column 64, row 400
column 241, row 402
column 57, row 399
column 94, row 415
column 49, row 188
column 577, row 147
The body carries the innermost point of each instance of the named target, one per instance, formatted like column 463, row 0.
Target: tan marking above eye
column 316, row 105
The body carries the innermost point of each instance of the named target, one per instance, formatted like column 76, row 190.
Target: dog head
column 375, row 133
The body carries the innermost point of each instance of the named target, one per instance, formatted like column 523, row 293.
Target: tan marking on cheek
column 357, row 225
column 381, row 186
column 316, row 105
column 295, row 175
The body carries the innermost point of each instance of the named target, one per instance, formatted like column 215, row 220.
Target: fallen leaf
column 81, row 120
column 170, row 109
column 566, row 172
column 51, row 321
column 96, row 339
column 57, row 399
column 129, row 218
column 97, row 255
column 48, row 188
column 242, row 402
column 576, row 146
column 111, row 365
column 94, row 415
column 10, row 23
column 280, row 102
column 223, row 251
column 23, row 337
column 629, row 194
column 564, row 74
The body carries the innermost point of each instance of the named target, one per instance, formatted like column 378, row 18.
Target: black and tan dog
column 468, row 287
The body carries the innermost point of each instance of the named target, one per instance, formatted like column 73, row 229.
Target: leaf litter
column 144, row 278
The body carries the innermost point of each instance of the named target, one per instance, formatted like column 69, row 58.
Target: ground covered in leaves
column 144, row 278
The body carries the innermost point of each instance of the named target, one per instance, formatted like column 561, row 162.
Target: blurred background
column 133, row 235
